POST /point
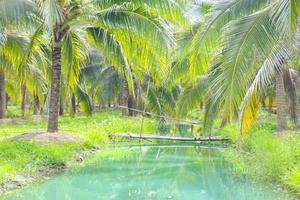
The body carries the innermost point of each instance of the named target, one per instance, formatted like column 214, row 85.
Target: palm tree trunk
column 73, row 105
column 281, row 104
column 2, row 95
column 55, row 86
column 270, row 103
column 298, row 97
column 23, row 102
column 7, row 100
column 201, row 105
column 225, row 121
column 36, row 105
column 131, row 105
column 61, row 107
column 124, row 96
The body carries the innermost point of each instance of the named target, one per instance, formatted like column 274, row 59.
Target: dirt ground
column 46, row 137
column 12, row 121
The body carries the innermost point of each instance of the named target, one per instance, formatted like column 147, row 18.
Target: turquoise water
column 147, row 172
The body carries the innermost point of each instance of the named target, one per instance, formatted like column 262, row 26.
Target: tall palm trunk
column 23, row 102
column 131, row 105
column 36, row 102
column 127, row 99
column 55, row 84
column 7, row 100
column 61, row 107
column 281, row 104
column 270, row 103
column 201, row 105
column 124, row 96
column 298, row 97
column 73, row 105
column 2, row 95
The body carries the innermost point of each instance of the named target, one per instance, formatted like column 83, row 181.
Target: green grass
column 85, row 126
column 266, row 155
column 14, row 111
column 24, row 157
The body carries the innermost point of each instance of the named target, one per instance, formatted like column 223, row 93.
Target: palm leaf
column 170, row 10
column 264, row 77
column 192, row 96
column 245, row 38
column 84, row 100
column 74, row 50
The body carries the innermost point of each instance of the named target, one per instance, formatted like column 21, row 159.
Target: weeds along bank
column 268, row 156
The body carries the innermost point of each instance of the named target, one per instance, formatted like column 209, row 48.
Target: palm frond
column 273, row 64
column 192, row 96
column 109, row 47
column 170, row 10
column 51, row 11
column 16, row 12
column 74, row 50
column 206, row 41
column 285, row 15
column 33, row 49
column 84, row 100
column 244, row 40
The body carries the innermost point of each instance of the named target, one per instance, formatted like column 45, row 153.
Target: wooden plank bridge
column 171, row 138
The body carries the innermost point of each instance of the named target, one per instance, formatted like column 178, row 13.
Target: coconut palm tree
column 253, row 41
column 128, row 34
column 8, row 45
column 20, row 62
column 100, row 81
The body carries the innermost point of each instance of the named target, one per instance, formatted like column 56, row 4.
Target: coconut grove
column 160, row 99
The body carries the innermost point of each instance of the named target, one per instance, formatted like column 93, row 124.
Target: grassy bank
column 268, row 156
column 25, row 157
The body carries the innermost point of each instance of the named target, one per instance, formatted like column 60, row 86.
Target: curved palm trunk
column 55, row 88
column 2, row 95
column 281, row 104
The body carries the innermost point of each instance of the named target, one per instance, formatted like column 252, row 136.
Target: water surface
column 151, row 172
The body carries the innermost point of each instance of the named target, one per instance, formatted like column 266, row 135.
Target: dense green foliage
column 266, row 156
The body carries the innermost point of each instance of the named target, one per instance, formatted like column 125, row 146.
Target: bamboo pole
column 155, row 115
column 172, row 138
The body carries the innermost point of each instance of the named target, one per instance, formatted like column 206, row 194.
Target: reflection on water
column 160, row 172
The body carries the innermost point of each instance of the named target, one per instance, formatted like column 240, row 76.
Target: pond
column 151, row 172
